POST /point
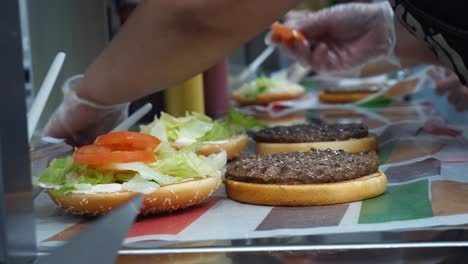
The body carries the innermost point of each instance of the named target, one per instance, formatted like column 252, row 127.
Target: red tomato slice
column 101, row 155
column 126, row 140
column 285, row 34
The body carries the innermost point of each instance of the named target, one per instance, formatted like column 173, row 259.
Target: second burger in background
column 349, row 93
column 228, row 133
column 264, row 91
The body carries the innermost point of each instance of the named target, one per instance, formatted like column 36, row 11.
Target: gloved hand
column 447, row 82
column 344, row 37
column 80, row 121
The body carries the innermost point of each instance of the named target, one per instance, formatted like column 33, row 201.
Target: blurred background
column 82, row 28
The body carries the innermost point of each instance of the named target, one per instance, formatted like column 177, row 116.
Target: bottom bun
column 233, row 146
column 336, row 98
column 165, row 199
column 286, row 120
column 353, row 145
column 307, row 194
column 175, row 258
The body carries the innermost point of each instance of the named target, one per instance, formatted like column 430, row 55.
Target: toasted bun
column 266, row 98
column 165, row 199
column 353, row 145
column 286, row 120
column 187, row 258
column 307, row 194
column 233, row 146
column 349, row 97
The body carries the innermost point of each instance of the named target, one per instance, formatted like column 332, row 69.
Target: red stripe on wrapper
column 170, row 224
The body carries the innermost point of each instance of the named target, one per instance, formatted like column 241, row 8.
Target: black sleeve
column 442, row 25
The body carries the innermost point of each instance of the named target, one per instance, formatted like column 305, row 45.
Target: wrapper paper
column 427, row 168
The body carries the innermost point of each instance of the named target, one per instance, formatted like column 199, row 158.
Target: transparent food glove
column 342, row 38
column 447, row 82
column 80, row 121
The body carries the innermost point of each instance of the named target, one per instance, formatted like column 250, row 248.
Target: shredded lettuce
column 239, row 119
column 233, row 123
column 144, row 171
column 185, row 164
column 250, row 91
column 64, row 175
column 190, row 126
column 156, row 128
column 164, row 150
column 219, row 131
column 140, row 184
column 257, row 87
column 57, row 171
column 196, row 127
column 63, row 190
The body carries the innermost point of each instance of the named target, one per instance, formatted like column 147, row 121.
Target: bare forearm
column 165, row 42
column 411, row 50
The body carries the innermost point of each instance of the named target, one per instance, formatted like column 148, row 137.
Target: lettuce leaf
column 164, row 150
column 63, row 190
column 64, row 175
column 144, row 171
column 257, row 87
column 196, row 127
column 253, row 94
column 185, row 164
column 236, row 118
column 170, row 128
column 57, row 171
column 233, row 123
column 68, row 174
column 219, row 131
column 157, row 128
column 140, row 184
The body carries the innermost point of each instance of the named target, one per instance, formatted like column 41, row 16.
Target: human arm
column 166, row 42
column 161, row 44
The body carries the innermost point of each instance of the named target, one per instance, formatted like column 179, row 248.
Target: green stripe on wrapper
column 402, row 202
column 386, row 151
column 376, row 102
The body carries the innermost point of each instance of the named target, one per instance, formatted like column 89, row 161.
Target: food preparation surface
column 426, row 164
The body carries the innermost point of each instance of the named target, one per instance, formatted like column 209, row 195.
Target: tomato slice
column 285, row 34
column 101, row 155
column 125, row 140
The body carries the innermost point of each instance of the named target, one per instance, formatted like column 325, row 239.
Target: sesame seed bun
column 346, row 97
column 286, row 120
column 233, row 146
column 352, row 145
column 176, row 258
column 307, row 194
column 165, row 199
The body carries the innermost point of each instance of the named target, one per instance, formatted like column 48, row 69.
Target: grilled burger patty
column 311, row 133
column 315, row 166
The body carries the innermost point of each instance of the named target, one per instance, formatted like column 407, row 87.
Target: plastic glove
column 80, row 121
column 447, row 82
column 344, row 37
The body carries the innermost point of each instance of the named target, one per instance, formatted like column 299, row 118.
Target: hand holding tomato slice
column 281, row 33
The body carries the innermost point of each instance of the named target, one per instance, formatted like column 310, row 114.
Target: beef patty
column 315, row 166
column 311, row 133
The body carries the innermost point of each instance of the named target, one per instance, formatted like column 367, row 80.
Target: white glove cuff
column 68, row 88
